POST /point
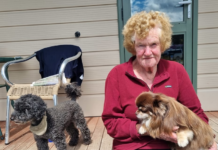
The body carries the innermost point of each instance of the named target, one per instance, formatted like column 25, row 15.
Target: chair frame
column 4, row 75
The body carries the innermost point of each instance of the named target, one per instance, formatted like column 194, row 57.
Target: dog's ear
column 160, row 105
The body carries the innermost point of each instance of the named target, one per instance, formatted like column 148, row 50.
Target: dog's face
column 27, row 108
column 150, row 105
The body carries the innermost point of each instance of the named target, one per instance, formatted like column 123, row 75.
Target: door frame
column 194, row 56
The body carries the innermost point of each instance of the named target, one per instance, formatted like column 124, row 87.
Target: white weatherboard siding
column 27, row 26
column 207, row 88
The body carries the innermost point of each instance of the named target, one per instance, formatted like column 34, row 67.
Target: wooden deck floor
column 22, row 139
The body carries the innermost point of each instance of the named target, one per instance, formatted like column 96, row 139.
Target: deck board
column 16, row 132
column 22, row 139
column 97, row 136
column 92, row 122
column 27, row 143
column 106, row 142
column 19, row 142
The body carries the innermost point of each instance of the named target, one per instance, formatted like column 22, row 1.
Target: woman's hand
column 214, row 146
column 172, row 137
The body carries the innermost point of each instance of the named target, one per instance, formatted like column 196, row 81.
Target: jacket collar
column 161, row 75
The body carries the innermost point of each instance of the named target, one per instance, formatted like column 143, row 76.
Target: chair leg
column 7, row 122
column 55, row 99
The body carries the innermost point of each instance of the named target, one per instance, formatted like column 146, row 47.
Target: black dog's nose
column 12, row 118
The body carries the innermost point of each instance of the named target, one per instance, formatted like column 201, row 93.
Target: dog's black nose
column 12, row 118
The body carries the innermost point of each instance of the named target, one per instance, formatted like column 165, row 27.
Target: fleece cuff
column 133, row 132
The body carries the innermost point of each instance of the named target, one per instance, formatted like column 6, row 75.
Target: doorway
column 183, row 17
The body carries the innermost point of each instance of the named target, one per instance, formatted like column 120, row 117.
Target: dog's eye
column 142, row 109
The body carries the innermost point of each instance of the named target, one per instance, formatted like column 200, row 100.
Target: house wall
column 29, row 25
column 207, row 83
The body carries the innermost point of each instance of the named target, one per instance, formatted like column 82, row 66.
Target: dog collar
column 41, row 128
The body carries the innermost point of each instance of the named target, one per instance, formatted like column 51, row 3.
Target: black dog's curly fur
column 67, row 115
column 73, row 91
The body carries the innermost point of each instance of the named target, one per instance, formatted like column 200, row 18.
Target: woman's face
column 148, row 51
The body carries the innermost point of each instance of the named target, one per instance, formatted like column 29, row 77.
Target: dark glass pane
column 171, row 7
column 176, row 51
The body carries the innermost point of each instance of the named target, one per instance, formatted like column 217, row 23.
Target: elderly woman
column 146, row 36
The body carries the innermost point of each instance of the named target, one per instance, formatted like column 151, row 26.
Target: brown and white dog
column 159, row 114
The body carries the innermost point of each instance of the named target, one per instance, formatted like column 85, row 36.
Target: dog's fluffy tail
column 73, row 91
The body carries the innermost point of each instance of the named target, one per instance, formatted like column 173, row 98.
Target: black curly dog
column 67, row 115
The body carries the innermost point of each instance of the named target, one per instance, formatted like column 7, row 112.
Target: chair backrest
column 51, row 58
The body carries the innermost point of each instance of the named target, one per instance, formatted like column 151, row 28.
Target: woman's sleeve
column 188, row 96
column 117, row 125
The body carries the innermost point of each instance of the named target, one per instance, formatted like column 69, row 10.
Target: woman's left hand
column 214, row 146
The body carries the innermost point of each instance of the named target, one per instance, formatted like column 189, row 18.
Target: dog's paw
column 183, row 142
column 142, row 130
column 184, row 137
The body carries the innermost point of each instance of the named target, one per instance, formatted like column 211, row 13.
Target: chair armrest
column 7, row 59
column 63, row 65
column 6, row 65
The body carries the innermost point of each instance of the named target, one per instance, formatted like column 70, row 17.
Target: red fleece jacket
column 121, row 89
